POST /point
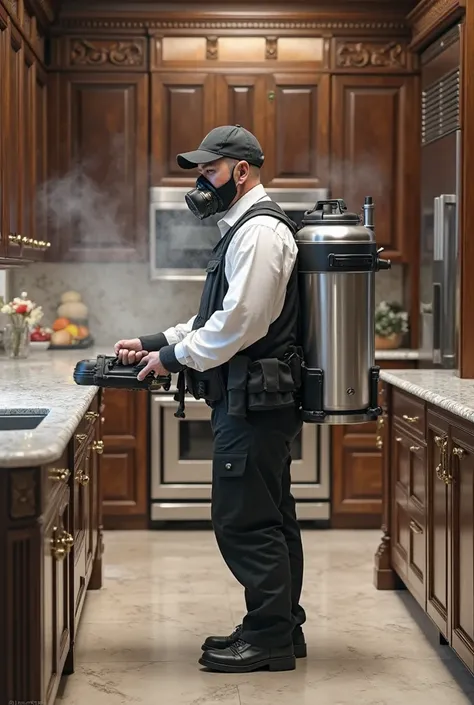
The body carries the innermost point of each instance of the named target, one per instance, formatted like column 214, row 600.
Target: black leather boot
column 223, row 642
column 241, row 657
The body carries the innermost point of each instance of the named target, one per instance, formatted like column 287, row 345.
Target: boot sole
column 286, row 663
column 301, row 650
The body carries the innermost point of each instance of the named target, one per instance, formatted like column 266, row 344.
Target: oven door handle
column 190, row 401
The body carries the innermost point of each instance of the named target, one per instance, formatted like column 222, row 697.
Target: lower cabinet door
column 438, row 533
column 461, row 479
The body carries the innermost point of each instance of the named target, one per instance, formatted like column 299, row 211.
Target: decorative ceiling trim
column 431, row 17
column 125, row 24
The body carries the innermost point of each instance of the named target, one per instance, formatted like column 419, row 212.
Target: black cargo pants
column 254, row 518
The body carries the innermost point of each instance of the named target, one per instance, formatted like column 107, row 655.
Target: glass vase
column 16, row 340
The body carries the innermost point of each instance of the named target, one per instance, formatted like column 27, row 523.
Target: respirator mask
column 206, row 200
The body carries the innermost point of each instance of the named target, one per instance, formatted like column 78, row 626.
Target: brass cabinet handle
column 414, row 449
column 91, row 416
column 98, row 446
column 379, row 438
column 81, row 437
column 61, row 543
column 440, row 472
column 58, row 474
column 416, row 528
column 442, row 443
column 410, row 419
column 398, row 439
column 82, row 479
column 459, row 452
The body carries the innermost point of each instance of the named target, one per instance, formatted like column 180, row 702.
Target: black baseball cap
column 232, row 141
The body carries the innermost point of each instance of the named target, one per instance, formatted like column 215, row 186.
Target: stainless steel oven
column 180, row 244
column 181, row 464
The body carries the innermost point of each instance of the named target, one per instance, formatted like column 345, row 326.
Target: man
column 239, row 353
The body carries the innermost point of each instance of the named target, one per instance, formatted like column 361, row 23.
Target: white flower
column 7, row 309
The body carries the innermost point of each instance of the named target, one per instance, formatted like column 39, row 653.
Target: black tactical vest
column 266, row 374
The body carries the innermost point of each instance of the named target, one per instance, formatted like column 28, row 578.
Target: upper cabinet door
column 374, row 152
column 241, row 100
column 297, row 138
column 182, row 113
column 102, row 133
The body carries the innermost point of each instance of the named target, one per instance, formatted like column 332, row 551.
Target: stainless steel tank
column 337, row 261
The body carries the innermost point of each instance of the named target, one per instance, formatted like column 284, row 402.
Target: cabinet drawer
column 409, row 412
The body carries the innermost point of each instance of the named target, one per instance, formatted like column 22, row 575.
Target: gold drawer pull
column 416, row 528
column 81, row 437
column 58, row 474
column 398, row 439
column 98, row 446
column 61, row 544
column 410, row 419
column 459, row 452
column 414, row 449
column 83, row 479
column 91, row 416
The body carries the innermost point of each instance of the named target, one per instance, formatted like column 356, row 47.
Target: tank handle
column 331, row 206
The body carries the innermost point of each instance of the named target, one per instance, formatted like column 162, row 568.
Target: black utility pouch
column 205, row 385
column 270, row 385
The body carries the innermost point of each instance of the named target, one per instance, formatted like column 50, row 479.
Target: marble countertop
column 440, row 387
column 43, row 381
column 400, row 354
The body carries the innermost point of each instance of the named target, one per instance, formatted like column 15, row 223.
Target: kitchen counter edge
column 439, row 387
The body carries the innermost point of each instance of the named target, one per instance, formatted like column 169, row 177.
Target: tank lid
column 330, row 212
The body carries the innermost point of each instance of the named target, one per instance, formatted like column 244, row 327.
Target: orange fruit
column 60, row 323
column 83, row 332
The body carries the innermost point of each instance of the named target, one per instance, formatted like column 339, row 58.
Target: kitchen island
column 50, row 524
column 428, row 499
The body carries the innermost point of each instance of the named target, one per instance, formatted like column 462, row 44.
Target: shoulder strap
column 267, row 208
column 260, row 208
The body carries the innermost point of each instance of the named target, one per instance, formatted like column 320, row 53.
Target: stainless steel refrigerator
column 440, row 199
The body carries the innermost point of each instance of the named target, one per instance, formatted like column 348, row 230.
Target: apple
column 40, row 335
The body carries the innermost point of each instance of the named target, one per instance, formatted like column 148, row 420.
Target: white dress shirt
column 258, row 265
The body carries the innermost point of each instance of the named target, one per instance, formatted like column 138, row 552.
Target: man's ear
column 242, row 170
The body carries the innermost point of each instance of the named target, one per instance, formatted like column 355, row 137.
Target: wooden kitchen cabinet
column 51, row 552
column 101, row 151
column 22, row 146
column 287, row 112
column 357, row 458
column 428, row 542
column 124, row 460
column 374, row 152
column 183, row 112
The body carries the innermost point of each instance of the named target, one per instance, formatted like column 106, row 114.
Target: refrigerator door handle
column 443, row 343
column 437, row 323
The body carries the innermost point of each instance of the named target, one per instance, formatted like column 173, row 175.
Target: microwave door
column 444, row 280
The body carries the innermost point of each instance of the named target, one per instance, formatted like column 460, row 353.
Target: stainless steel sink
column 22, row 419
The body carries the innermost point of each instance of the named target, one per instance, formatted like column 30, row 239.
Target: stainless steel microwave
column 180, row 244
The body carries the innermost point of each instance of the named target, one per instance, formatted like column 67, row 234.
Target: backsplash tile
column 122, row 300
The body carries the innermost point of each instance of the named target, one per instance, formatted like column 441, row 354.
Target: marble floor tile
column 164, row 591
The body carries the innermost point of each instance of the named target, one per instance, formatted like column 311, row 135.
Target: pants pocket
column 229, row 465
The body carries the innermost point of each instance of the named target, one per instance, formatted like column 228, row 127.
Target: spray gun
column 109, row 371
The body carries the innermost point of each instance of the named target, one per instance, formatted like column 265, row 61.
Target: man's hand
column 153, row 364
column 129, row 352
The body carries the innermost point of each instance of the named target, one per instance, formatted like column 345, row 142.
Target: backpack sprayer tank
column 338, row 258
